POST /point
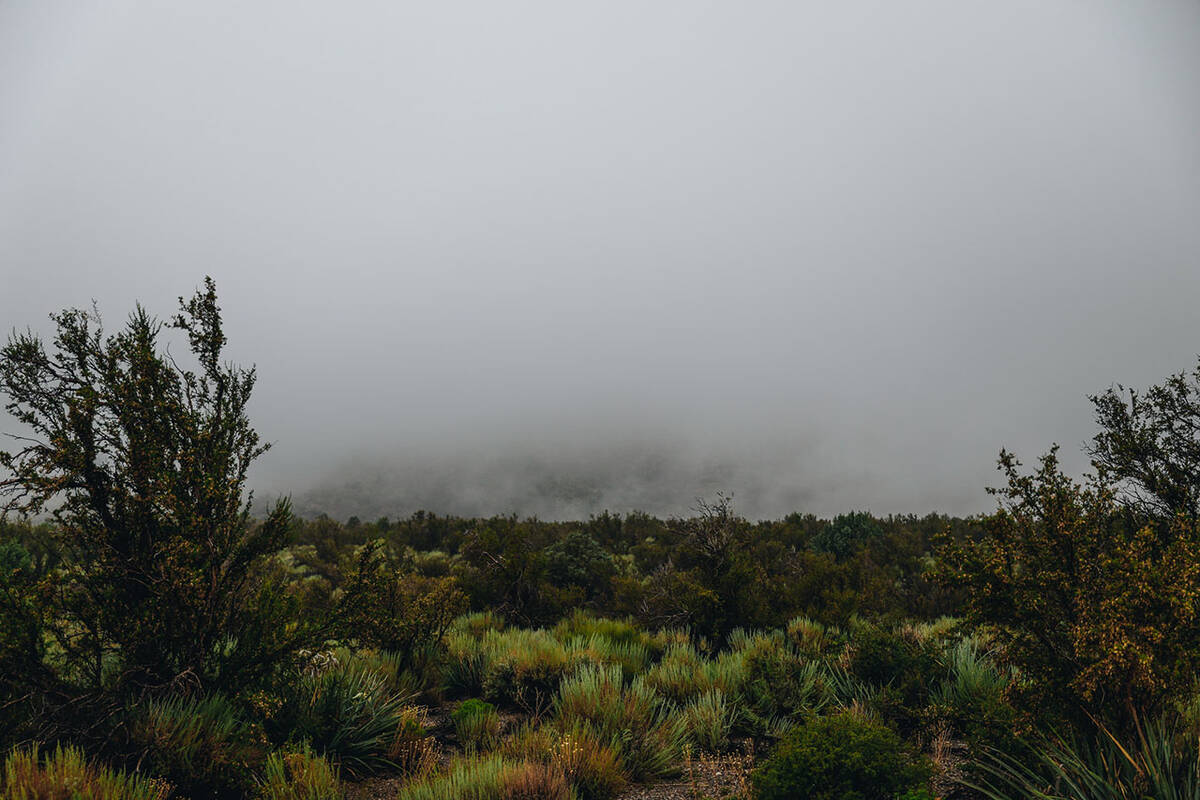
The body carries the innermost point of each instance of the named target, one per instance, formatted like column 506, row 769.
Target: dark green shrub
column 901, row 664
column 843, row 757
column 199, row 744
column 22, row 644
column 390, row 607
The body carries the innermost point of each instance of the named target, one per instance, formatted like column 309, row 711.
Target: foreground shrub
column 299, row 774
column 66, row 774
column 648, row 735
column 842, row 757
column 477, row 724
column 492, row 778
column 1160, row 763
column 142, row 455
column 200, row 744
column 347, row 713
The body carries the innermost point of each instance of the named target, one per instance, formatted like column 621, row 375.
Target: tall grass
column 477, row 725
column 299, row 774
column 491, row 778
column 646, row 732
column 709, row 718
column 972, row 675
column 592, row 766
column 200, row 744
column 66, row 774
column 683, row 674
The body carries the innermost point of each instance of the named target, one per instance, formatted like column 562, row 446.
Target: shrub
column 1081, row 593
column 347, row 714
column 299, row 774
column 66, row 774
column 22, row 639
column 900, row 665
column 842, row 757
column 477, row 724
column 396, row 610
column 200, row 744
column 845, row 534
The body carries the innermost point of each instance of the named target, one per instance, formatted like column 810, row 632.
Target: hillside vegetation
column 159, row 641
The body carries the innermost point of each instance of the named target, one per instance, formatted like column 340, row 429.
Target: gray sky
column 546, row 256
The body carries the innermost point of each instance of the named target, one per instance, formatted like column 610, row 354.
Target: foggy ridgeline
column 572, row 485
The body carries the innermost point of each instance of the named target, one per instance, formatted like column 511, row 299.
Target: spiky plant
column 1157, row 762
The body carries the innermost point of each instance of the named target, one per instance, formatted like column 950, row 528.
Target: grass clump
column 299, row 774
column 477, row 724
column 972, row 695
column 199, row 744
column 645, row 731
column 524, row 668
column 491, row 778
column 591, row 765
column 66, row 774
column 709, row 718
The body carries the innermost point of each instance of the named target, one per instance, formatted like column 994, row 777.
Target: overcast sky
column 824, row 255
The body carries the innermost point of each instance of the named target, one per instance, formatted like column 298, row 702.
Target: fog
column 548, row 258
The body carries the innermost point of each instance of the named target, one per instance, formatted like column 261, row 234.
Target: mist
column 546, row 258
